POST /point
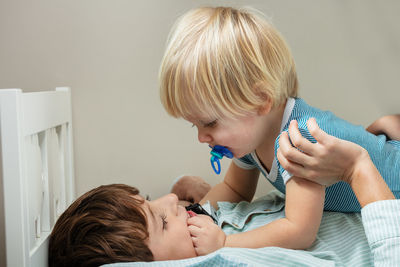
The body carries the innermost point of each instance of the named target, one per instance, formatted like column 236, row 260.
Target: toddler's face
column 169, row 237
column 241, row 135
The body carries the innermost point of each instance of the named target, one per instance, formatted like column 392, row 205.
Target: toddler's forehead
column 206, row 118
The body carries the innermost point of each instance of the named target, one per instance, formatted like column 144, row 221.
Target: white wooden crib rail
column 37, row 170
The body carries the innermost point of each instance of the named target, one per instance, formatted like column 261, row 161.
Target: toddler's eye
column 211, row 124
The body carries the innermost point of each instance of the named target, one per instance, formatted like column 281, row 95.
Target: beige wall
column 108, row 52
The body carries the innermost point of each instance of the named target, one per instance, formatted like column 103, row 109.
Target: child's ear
column 265, row 108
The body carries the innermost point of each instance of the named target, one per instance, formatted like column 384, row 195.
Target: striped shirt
column 339, row 197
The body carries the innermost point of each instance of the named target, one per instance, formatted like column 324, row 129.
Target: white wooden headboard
column 37, row 170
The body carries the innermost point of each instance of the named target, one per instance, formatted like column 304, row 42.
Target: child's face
column 169, row 237
column 241, row 135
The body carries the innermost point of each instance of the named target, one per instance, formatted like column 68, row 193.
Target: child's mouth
column 191, row 213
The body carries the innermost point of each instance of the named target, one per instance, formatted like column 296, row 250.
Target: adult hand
column 191, row 188
column 206, row 235
column 326, row 162
column 388, row 125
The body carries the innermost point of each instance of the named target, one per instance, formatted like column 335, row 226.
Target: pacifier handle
column 217, row 169
column 217, row 153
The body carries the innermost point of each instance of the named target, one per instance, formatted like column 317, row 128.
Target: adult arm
column 332, row 160
column 381, row 222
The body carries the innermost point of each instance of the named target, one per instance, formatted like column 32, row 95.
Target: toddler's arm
column 238, row 185
column 303, row 211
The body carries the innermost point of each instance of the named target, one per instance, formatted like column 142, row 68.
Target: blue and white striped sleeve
column 381, row 222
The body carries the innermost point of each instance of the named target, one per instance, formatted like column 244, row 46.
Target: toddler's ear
column 265, row 108
column 262, row 94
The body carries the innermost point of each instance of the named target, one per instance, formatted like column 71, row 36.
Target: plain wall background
column 108, row 52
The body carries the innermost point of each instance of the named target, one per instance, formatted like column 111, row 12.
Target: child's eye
column 211, row 124
column 164, row 221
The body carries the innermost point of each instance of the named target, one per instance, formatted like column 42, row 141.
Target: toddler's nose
column 204, row 137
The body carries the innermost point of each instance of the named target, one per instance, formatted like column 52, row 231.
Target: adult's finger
column 319, row 135
column 290, row 153
column 298, row 140
column 292, row 167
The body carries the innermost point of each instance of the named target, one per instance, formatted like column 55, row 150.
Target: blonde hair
column 223, row 61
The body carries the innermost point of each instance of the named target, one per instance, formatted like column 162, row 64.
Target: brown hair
column 105, row 225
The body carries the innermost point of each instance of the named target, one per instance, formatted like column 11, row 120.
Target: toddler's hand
column 191, row 188
column 206, row 235
column 325, row 162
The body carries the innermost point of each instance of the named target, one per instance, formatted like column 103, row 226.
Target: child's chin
column 238, row 155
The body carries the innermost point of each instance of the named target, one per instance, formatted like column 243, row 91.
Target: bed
column 37, row 170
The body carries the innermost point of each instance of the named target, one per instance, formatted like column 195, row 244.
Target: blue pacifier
column 217, row 153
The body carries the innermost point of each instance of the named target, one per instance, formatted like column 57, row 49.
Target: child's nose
column 172, row 198
column 204, row 137
column 172, row 203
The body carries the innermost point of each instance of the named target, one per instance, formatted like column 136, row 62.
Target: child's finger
column 195, row 241
column 194, row 230
column 199, row 251
column 199, row 220
column 197, row 246
column 298, row 140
